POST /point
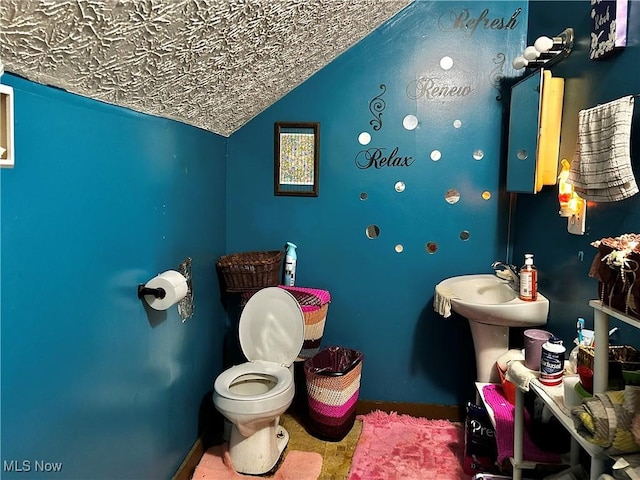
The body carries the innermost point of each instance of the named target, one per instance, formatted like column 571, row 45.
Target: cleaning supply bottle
column 290, row 261
column 552, row 362
column 573, row 356
column 528, row 280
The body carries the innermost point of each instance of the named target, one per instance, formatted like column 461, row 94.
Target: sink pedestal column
column 489, row 342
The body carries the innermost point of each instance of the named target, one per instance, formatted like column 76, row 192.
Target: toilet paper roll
column 174, row 285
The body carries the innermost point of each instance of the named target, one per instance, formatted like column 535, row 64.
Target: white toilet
column 253, row 395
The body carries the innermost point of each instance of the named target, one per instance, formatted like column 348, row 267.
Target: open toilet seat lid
column 272, row 327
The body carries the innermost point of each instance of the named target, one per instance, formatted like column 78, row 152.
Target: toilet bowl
column 253, row 395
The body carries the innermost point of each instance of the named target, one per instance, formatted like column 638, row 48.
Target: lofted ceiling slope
column 214, row 64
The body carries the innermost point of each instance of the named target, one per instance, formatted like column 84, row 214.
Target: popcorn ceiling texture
column 214, row 64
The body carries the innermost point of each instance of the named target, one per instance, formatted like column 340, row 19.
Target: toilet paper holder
column 170, row 288
column 164, row 290
column 156, row 292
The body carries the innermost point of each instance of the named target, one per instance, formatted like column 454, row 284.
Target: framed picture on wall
column 296, row 165
column 609, row 29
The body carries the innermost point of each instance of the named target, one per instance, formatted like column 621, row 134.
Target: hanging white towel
column 442, row 301
column 601, row 168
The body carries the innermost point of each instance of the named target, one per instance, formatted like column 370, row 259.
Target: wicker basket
column 314, row 304
column 619, row 288
column 628, row 356
column 333, row 395
column 240, row 272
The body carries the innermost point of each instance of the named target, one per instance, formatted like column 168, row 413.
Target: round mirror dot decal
column 399, row 186
column 478, row 154
column 522, row 154
column 373, row 231
column 446, row 63
column 364, row 196
column 464, row 235
column 364, row 138
column 452, row 196
column 410, row 122
column 399, row 248
column 431, row 247
column 486, row 195
column 436, row 155
column 457, row 124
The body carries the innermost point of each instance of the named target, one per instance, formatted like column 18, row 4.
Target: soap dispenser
column 528, row 280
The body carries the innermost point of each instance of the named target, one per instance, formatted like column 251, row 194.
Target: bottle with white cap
column 528, row 280
column 290, row 260
column 552, row 362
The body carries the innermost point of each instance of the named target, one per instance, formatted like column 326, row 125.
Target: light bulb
column 543, row 44
column 530, row 53
column 519, row 63
column 573, row 204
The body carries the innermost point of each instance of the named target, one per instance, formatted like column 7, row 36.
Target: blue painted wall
column 537, row 226
column 103, row 198
column 382, row 300
column 100, row 200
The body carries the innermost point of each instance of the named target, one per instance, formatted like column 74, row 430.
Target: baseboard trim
column 190, row 462
column 453, row 413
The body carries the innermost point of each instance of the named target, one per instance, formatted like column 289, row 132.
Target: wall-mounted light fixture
column 576, row 222
column 545, row 51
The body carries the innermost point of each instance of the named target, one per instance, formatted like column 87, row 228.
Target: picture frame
column 7, row 142
column 296, row 162
column 609, row 28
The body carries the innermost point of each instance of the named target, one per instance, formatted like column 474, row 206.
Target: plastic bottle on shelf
column 528, row 280
column 573, row 358
column 579, row 340
column 552, row 362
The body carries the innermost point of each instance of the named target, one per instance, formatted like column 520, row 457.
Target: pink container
column 533, row 341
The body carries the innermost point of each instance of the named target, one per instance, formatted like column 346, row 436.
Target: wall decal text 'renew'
column 432, row 88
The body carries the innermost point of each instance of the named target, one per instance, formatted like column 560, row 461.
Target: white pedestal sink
column 491, row 306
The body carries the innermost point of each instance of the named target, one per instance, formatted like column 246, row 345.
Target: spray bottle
column 290, row 260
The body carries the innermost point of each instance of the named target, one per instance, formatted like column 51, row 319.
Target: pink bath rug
column 402, row 447
column 215, row 464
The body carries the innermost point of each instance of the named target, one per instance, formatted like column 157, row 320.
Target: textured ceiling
column 214, row 64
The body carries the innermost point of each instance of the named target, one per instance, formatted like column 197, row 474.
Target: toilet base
column 258, row 453
column 226, row 432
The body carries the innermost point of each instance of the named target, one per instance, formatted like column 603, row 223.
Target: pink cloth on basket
column 310, row 299
column 503, row 412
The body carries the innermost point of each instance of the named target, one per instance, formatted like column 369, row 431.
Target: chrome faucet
column 512, row 270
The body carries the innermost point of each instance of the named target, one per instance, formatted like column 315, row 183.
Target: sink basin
column 488, row 299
